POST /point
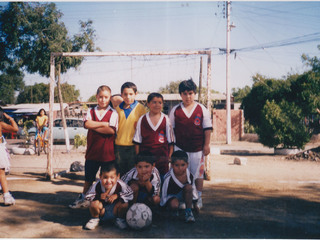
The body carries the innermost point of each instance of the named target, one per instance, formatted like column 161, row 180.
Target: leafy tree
column 281, row 125
column 30, row 31
column 313, row 62
column 262, row 90
column 92, row 98
column 172, row 87
column 39, row 93
column 240, row 93
column 8, row 85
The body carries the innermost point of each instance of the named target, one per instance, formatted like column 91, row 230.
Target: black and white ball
column 139, row 216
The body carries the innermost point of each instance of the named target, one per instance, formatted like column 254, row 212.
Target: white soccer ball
column 139, row 216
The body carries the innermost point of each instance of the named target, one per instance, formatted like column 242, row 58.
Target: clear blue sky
column 172, row 26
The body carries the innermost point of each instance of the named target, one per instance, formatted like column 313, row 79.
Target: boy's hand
column 143, row 179
column 206, row 150
column 112, row 198
column 104, row 196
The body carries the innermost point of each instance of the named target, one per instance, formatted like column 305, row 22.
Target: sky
column 269, row 38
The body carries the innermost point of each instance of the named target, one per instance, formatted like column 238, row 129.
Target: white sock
column 199, row 194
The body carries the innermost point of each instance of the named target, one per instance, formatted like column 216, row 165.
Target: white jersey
column 155, row 179
column 121, row 188
column 172, row 186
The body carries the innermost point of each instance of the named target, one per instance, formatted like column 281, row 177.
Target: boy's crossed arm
column 100, row 127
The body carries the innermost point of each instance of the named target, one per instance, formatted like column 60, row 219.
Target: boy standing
column 192, row 127
column 109, row 198
column 144, row 180
column 178, row 186
column 102, row 124
column 129, row 112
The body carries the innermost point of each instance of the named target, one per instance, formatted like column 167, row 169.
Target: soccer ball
column 139, row 216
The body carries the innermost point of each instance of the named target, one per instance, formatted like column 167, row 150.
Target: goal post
column 49, row 172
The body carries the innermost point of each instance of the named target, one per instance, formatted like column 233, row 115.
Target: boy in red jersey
column 102, row 125
column 154, row 133
column 192, row 126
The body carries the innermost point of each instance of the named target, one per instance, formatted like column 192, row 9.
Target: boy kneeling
column 144, row 180
column 178, row 186
column 109, row 198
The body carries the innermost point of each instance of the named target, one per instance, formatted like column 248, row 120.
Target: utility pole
column 228, row 102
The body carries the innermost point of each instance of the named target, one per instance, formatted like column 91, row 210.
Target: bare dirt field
column 269, row 197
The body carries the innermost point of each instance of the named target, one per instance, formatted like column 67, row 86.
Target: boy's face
column 128, row 96
column 103, row 98
column 109, row 179
column 144, row 168
column 187, row 97
column 155, row 105
column 179, row 167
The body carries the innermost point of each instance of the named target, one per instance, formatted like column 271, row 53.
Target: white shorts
column 196, row 163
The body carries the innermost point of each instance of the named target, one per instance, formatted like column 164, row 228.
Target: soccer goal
column 51, row 171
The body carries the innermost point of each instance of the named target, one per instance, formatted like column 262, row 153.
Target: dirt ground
column 269, row 197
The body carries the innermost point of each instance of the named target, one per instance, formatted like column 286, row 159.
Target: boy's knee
column 174, row 204
column 156, row 200
column 95, row 204
column 135, row 187
column 187, row 188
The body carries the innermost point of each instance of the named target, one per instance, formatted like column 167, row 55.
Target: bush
column 282, row 126
column 80, row 140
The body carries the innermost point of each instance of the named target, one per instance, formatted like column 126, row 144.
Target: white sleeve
column 113, row 122
column 88, row 115
column 207, row 123
column 137, row 136
column 156, row 182
column 171, row 116
column 169, row 129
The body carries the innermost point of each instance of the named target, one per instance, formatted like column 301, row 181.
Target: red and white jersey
column 100, row 147
column 189, row 127
column 155, row 139
column 124, row 192
column 155, row 179
column 172, row 186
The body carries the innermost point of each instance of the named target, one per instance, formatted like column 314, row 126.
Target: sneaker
column 182, row 205
column 189, row 218
column 80, row 203
column 121, row 223
column 8, row 199
column 199, row 203
column 92, row 224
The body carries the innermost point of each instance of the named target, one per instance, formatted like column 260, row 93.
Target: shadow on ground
column 229, row 212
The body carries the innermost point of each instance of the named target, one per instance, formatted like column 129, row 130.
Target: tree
column 281, row 126
column 8, row 85
column 240, row 93
column 313, row 62
column 172, row 87
column 30, row 31
column 39, row 93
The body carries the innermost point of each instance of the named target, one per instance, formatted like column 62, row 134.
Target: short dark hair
column 187, row 85
column 103, row 88
column 145, row 156
column 129, row 85
column 153, row 95
column 109, row 167
column 179, row 155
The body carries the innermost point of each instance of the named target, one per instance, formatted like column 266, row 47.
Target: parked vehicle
column 74, row 126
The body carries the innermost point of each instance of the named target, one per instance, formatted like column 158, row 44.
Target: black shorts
column 91, row 168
